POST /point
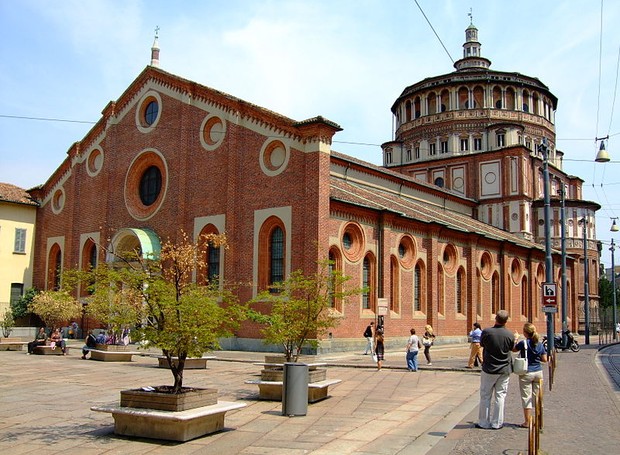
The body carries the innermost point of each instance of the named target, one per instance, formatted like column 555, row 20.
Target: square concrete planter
column 191, row 398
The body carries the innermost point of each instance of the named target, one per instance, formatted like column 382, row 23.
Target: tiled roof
column 377, row 199
column 15, row 194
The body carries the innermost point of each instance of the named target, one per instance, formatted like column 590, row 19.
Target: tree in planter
column 300, row 308
column 113, row 301
column 19, row 307
column 55, row 307
column 7, row 323
column 181, row 317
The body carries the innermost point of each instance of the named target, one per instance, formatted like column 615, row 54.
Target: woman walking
column 529, row 384
column 379, row 349
column 427, row 341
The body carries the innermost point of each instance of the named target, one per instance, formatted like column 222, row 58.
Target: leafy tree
column 300, row 310
column 19, row 308
column 55, row 307
column 181, row 317
column 7, row 323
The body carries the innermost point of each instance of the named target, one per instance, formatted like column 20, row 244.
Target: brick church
column 447, row 232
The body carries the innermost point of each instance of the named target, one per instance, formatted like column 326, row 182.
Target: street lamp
column 602, row 156
column 543, row 149
column 586, row 285
column 614, row 228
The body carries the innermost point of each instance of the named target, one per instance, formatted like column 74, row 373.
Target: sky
column 347, row 60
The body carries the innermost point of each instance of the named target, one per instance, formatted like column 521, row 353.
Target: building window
column 477, row 143
column 439, row 181
column 388, row 157
column 417, row 292
column 409, row 155
column 500, row 139
column 17, row 291
column 366, row 284
column 528, row 144
column 526, row 108
column 417, row 153
column 150, row 113
column 432, row 150
column 444, row 146
column 276, row 256
column 459, row 292
column 213, row 263
column 150, row 185
column 20, row 241
column 464, row 145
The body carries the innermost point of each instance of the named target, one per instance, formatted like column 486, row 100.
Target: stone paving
column 45, row 406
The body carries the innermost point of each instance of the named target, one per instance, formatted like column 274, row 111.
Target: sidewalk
column 45, row 406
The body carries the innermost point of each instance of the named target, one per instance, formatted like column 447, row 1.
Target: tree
column 19, row 307
column 182, row 318
column 54, row 307
column 300, row 308
column 7, row 323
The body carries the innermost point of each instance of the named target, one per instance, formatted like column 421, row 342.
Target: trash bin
column 295, row 389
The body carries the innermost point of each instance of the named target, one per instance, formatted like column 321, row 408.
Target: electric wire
column 433, row 29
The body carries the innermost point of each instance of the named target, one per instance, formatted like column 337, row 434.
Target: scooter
column 571, row 343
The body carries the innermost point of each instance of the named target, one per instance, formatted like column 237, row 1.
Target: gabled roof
column 15, row 195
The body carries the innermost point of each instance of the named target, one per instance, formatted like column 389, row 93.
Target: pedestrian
column 427, row 341
column 529, row 384
column 368, row 335
column 475, row 350
column 413, row 347
column 379, row 349
column 497, row 342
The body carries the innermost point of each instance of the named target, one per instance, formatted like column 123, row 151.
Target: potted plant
column 298, row 312
column 55, row 307
column 184, row 319
column 7, row 323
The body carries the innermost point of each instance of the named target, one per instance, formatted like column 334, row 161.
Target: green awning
column 150, row 246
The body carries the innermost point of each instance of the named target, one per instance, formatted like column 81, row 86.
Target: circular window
column 94, row 163
column 439, row 182
column 515, row 271
column 58, row 200
column 145, row 185
column 148, row 112
column 274, row 157
column 150, row 185
column 486, row 265
column 449, row 257
column 406, row 251
column 353, row 241
column 212, row 132
column 458, row 183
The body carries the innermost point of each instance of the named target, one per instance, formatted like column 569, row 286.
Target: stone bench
column 169, row 425
column 112, row 356
column 12, row 345
column 272, row 390
column 191, row 363
column 47, row 350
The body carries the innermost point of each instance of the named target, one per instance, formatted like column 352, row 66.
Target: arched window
column 335, row 265
column 368, row 282
column 276, row 255
column 460, row 291
column 395, row 294
column 54, row 269
column 272, row 253
column 441, row 307
column 408, row 111
column 524, row 306
column 495, row 293
column 417, row 288
column 89, row 262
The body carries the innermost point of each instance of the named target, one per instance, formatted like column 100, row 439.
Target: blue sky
column 347, row 60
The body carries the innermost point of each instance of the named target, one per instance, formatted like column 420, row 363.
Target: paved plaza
column 45, row 407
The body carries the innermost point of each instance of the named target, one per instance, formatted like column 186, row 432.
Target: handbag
column 375, row 358
column 427, row 341
column 519, row 364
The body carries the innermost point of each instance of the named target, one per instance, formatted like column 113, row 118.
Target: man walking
column 497, row 343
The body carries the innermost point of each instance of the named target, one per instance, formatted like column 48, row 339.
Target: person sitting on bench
column 39, row 340
column 57, row 341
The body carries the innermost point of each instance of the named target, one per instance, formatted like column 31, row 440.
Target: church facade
column 445, row 238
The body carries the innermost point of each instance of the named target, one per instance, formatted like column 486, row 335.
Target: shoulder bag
column 519, row 364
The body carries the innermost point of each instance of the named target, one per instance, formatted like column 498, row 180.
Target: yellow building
column 18, row 213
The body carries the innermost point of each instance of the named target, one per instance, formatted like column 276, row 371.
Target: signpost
column 550, row 298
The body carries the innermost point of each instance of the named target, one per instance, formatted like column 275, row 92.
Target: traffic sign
column 549, row 296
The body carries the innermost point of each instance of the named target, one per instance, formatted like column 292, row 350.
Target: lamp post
column 586, row 286
column 543, row 148
column 564, row 279
column 614, row 228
